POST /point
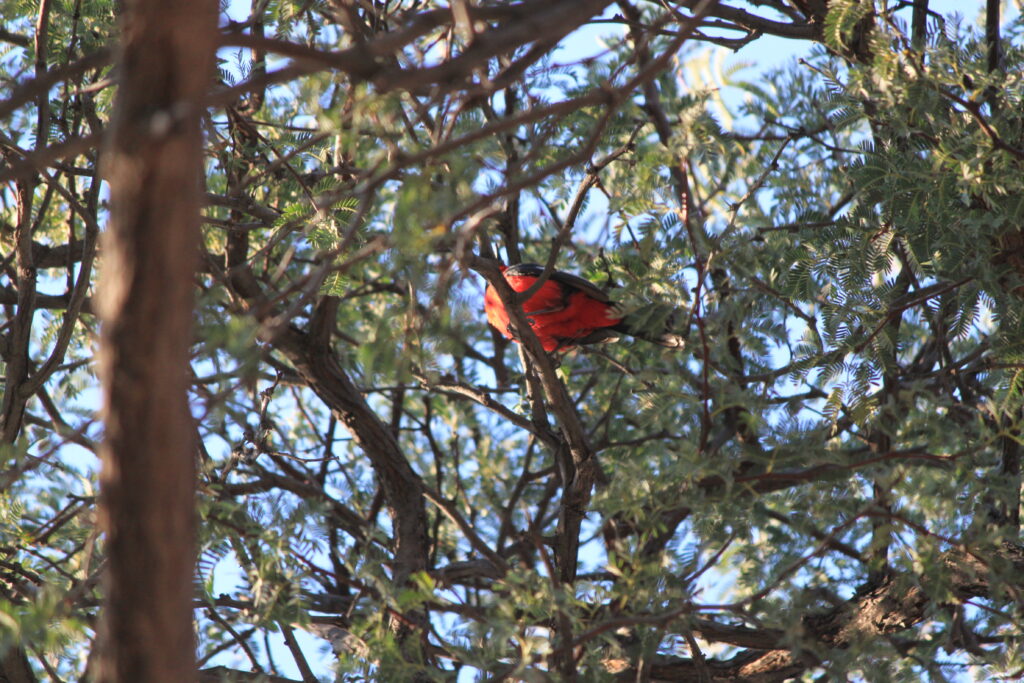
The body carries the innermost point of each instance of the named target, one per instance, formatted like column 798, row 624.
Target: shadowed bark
column 146, row 299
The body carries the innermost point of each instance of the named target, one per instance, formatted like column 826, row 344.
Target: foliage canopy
column 825, row 482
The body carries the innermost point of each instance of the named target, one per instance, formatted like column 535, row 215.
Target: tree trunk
column 146, row 298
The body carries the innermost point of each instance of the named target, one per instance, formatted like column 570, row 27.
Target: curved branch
column 888, row 604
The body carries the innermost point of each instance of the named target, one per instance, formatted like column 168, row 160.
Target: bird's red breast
column 567, row 310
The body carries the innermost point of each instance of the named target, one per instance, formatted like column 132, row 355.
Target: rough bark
column 146, row 298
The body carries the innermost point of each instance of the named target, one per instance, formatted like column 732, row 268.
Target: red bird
column 566, row 311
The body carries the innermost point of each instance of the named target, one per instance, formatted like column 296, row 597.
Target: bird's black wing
column 573, row 282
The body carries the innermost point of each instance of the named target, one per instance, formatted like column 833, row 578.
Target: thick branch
column 312, row 357
column 521, row 24
column 884, row 607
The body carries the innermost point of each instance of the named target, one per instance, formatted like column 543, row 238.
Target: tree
column 824, row 482
column 154, row 166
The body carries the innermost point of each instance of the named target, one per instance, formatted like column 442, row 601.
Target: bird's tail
column 657, row 323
